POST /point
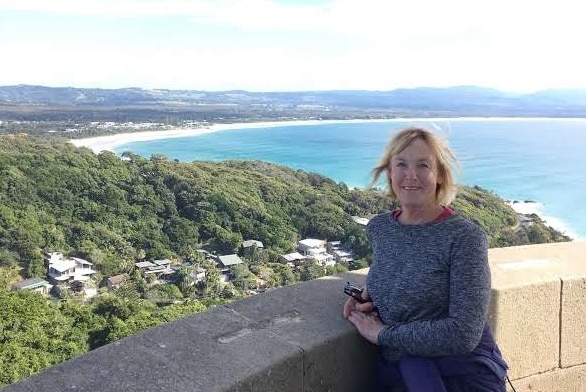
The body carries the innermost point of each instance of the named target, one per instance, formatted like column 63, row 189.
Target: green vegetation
column 115, row 212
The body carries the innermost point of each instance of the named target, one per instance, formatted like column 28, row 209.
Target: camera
column 354, row 292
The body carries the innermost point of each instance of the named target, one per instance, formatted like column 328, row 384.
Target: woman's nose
column 411, row 172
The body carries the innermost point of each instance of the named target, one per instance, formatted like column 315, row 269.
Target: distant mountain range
column 456, row 101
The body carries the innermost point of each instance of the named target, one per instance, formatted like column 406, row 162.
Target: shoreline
column 533, row 207
column 111, row 142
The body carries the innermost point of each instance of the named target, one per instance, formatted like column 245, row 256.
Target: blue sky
column 291, row 45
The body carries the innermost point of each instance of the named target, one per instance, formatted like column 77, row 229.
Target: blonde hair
column 445, row 159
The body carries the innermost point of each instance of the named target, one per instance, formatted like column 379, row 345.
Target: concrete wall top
column 533, row 264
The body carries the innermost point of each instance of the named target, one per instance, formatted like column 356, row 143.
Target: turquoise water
column 530, row 159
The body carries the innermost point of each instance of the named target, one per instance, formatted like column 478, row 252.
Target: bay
column 539, row 160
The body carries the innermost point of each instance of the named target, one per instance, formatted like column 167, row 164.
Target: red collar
column 446, row 213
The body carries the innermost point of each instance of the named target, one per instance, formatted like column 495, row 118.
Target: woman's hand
column 365, row 307
column 364, row 317
column 351, row 304
column 367, row 324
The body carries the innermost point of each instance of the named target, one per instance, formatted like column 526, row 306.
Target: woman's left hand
column 367, row 324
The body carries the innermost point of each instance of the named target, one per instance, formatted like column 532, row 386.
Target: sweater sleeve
column 469, row 291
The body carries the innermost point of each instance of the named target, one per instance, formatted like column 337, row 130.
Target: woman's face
column 414, row 175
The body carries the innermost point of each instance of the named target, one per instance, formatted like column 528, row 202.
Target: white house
column 343, row 256
column 315, row 249
column 66, row 270
column 311, row 246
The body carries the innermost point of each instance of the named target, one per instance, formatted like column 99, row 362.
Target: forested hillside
column 114, row 212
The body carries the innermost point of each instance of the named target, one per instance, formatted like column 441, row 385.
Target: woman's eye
column 424, row 165
column 401, row 164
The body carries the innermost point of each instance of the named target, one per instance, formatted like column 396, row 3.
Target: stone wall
column 295, row 339
column 539, row 314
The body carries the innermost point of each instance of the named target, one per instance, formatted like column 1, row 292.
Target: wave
column 533, row 207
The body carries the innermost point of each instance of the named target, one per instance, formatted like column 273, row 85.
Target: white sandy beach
column 111, row 142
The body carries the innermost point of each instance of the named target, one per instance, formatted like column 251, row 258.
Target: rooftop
column 31, row 283
column 229, row 260
column 312, row 243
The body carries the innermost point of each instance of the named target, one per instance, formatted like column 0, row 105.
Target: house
column 164, row 263
column 64, row 270
column 157, row 267
column 223, row 263
column 342, row 256
column 114, row 282
column 143, row 265
column 205, row 254
column 199, row 274
column 336, row 249
column 333, row 245
column 249, row 245
column 293, row 259
column 311, row 246
column 315, row 249
column 323, row 258
column 229, row 260
column 34, row 284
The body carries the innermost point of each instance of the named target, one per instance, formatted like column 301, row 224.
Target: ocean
column 537, row 160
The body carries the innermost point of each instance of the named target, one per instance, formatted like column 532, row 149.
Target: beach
column 111, row 142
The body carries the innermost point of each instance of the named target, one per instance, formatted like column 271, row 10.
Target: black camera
column 354, row 292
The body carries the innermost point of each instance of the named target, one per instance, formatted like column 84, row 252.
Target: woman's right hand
column 352, row 304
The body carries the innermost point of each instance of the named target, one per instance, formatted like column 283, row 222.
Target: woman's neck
column 419, row 216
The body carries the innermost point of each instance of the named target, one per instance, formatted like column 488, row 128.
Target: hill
column 28, row 103
column 108, row 210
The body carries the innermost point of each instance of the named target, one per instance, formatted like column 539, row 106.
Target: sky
column 293, row 45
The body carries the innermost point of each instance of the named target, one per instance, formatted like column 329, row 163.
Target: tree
column 242, row 278
column 35, row 335
column 311, row 269
column 184, row 280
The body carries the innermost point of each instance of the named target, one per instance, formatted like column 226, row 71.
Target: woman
column 429, row 282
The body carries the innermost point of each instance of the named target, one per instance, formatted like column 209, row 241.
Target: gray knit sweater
column 431, row 285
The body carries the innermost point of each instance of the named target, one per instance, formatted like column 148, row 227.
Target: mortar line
column 560, row 324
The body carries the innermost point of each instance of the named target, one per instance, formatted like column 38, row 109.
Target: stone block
column 525, row 322
column 309, row 315
column 573, row 334
column 528, row 308
column 561, row 380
